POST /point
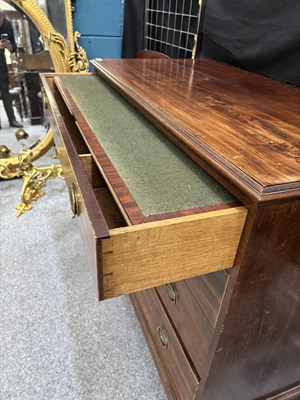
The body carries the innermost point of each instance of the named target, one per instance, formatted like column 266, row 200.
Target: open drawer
column 132, row 243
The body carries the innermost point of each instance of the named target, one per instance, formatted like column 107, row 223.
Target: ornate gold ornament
column 78, row 61
column 34, row 179
column 12, row 166
column 66, row 57
column 5, row 152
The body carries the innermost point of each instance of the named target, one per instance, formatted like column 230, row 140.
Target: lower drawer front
column 193, row 306
column 209, row 289
column 189, row 320
column 175, row 364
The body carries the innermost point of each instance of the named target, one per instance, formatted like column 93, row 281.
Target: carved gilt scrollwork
column 73, row 61
column 34, row 178
column 69, row 57
column 33, row 181
column 78, row 61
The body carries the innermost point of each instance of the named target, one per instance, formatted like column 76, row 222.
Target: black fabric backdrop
column 262, row 36
column 133, row 35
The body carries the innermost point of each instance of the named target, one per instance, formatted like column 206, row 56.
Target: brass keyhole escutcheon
column 172, row 292
column 163, row 337
column 73, row 200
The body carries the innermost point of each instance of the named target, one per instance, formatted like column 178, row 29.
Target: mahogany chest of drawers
column 184, row 177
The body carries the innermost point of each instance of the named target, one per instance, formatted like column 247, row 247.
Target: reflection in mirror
column 43, row 5
column 56, row 12
column 20, row 89
column 57, row 15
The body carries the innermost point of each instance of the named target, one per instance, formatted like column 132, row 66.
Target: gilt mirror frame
column 66, row 57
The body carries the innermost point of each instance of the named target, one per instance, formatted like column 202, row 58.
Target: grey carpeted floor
column 56, row 341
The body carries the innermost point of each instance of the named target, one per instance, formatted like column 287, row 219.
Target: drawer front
column 209, row 291
column 193, row 305
column 151, row 254
column 189, row 320
column 125, row 259
column 167, row 348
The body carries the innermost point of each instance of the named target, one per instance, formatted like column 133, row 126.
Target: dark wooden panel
column 177, row 369
column 209, row 290
column 258, row 353
column 168, row 386
column 187, row 313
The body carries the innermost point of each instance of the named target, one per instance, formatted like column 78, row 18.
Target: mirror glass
column 56, row 13
column 20, row 89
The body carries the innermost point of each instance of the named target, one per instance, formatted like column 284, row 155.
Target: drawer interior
column 166, row 185
column 112, row 213
column 107, row 203
column 157, row 176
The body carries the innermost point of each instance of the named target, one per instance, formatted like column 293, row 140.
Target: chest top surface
column 247, row 124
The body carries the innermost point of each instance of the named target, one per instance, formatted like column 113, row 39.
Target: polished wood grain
column 240, row 85
column 247, row 136
column 163, row 373
column 253, row 139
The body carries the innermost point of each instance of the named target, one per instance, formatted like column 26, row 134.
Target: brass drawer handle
column 172, row 292
column 163, row 337
column 45, row 102
column 73, row 200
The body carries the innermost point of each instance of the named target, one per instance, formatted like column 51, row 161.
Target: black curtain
column 133, row 35
column 262, row 36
